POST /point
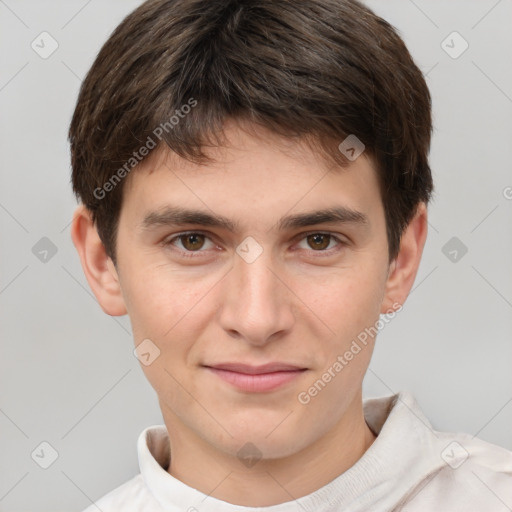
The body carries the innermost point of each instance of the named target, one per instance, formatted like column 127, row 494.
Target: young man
column 254, row 179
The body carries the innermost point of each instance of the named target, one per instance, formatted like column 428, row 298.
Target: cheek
column 350, row 306
column 160, row 301
column 166, row 309
column 347, row 300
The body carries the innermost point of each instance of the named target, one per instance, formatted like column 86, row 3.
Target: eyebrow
column 178, row 216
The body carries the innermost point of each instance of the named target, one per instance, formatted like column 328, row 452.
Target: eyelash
column 194, row 254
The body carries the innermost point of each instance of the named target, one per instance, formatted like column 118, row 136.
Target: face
column 249, row 313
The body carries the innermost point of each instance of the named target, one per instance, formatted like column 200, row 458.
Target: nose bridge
column 257, row 282
column 256, row 305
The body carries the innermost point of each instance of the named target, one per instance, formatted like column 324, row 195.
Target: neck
column 270, row 481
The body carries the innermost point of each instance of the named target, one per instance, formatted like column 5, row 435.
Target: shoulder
column 475, row 475
column 132, row 496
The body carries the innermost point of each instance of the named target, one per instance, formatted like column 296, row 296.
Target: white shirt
column 409, row 468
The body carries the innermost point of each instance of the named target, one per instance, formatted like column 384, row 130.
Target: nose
column 257, row 306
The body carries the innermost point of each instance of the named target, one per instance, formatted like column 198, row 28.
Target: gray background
column 67, row 372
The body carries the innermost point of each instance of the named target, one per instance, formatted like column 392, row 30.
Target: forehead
column 256, row 172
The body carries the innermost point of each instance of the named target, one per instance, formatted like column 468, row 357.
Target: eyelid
column 337, row 236
column 168, row 241
column 342, row 242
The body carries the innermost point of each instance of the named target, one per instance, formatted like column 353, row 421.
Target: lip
column 256, row 379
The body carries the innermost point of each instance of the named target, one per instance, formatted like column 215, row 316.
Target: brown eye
column 319, row 241
column 192, row 241
column 193, row 244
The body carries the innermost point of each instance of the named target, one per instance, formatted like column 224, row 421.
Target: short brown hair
column 317, row 70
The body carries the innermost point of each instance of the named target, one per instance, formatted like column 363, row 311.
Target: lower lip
column 257, row 383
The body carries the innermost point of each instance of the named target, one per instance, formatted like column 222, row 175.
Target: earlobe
column 404, row 268
column 97, row 265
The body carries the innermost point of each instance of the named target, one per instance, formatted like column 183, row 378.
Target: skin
column 302, row 301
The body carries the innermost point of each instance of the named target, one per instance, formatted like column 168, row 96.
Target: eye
column 190, row 242
column 319, row 242
column 193, row 243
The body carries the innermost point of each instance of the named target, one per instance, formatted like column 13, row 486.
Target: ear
column 98, row 267
column 403, row 269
